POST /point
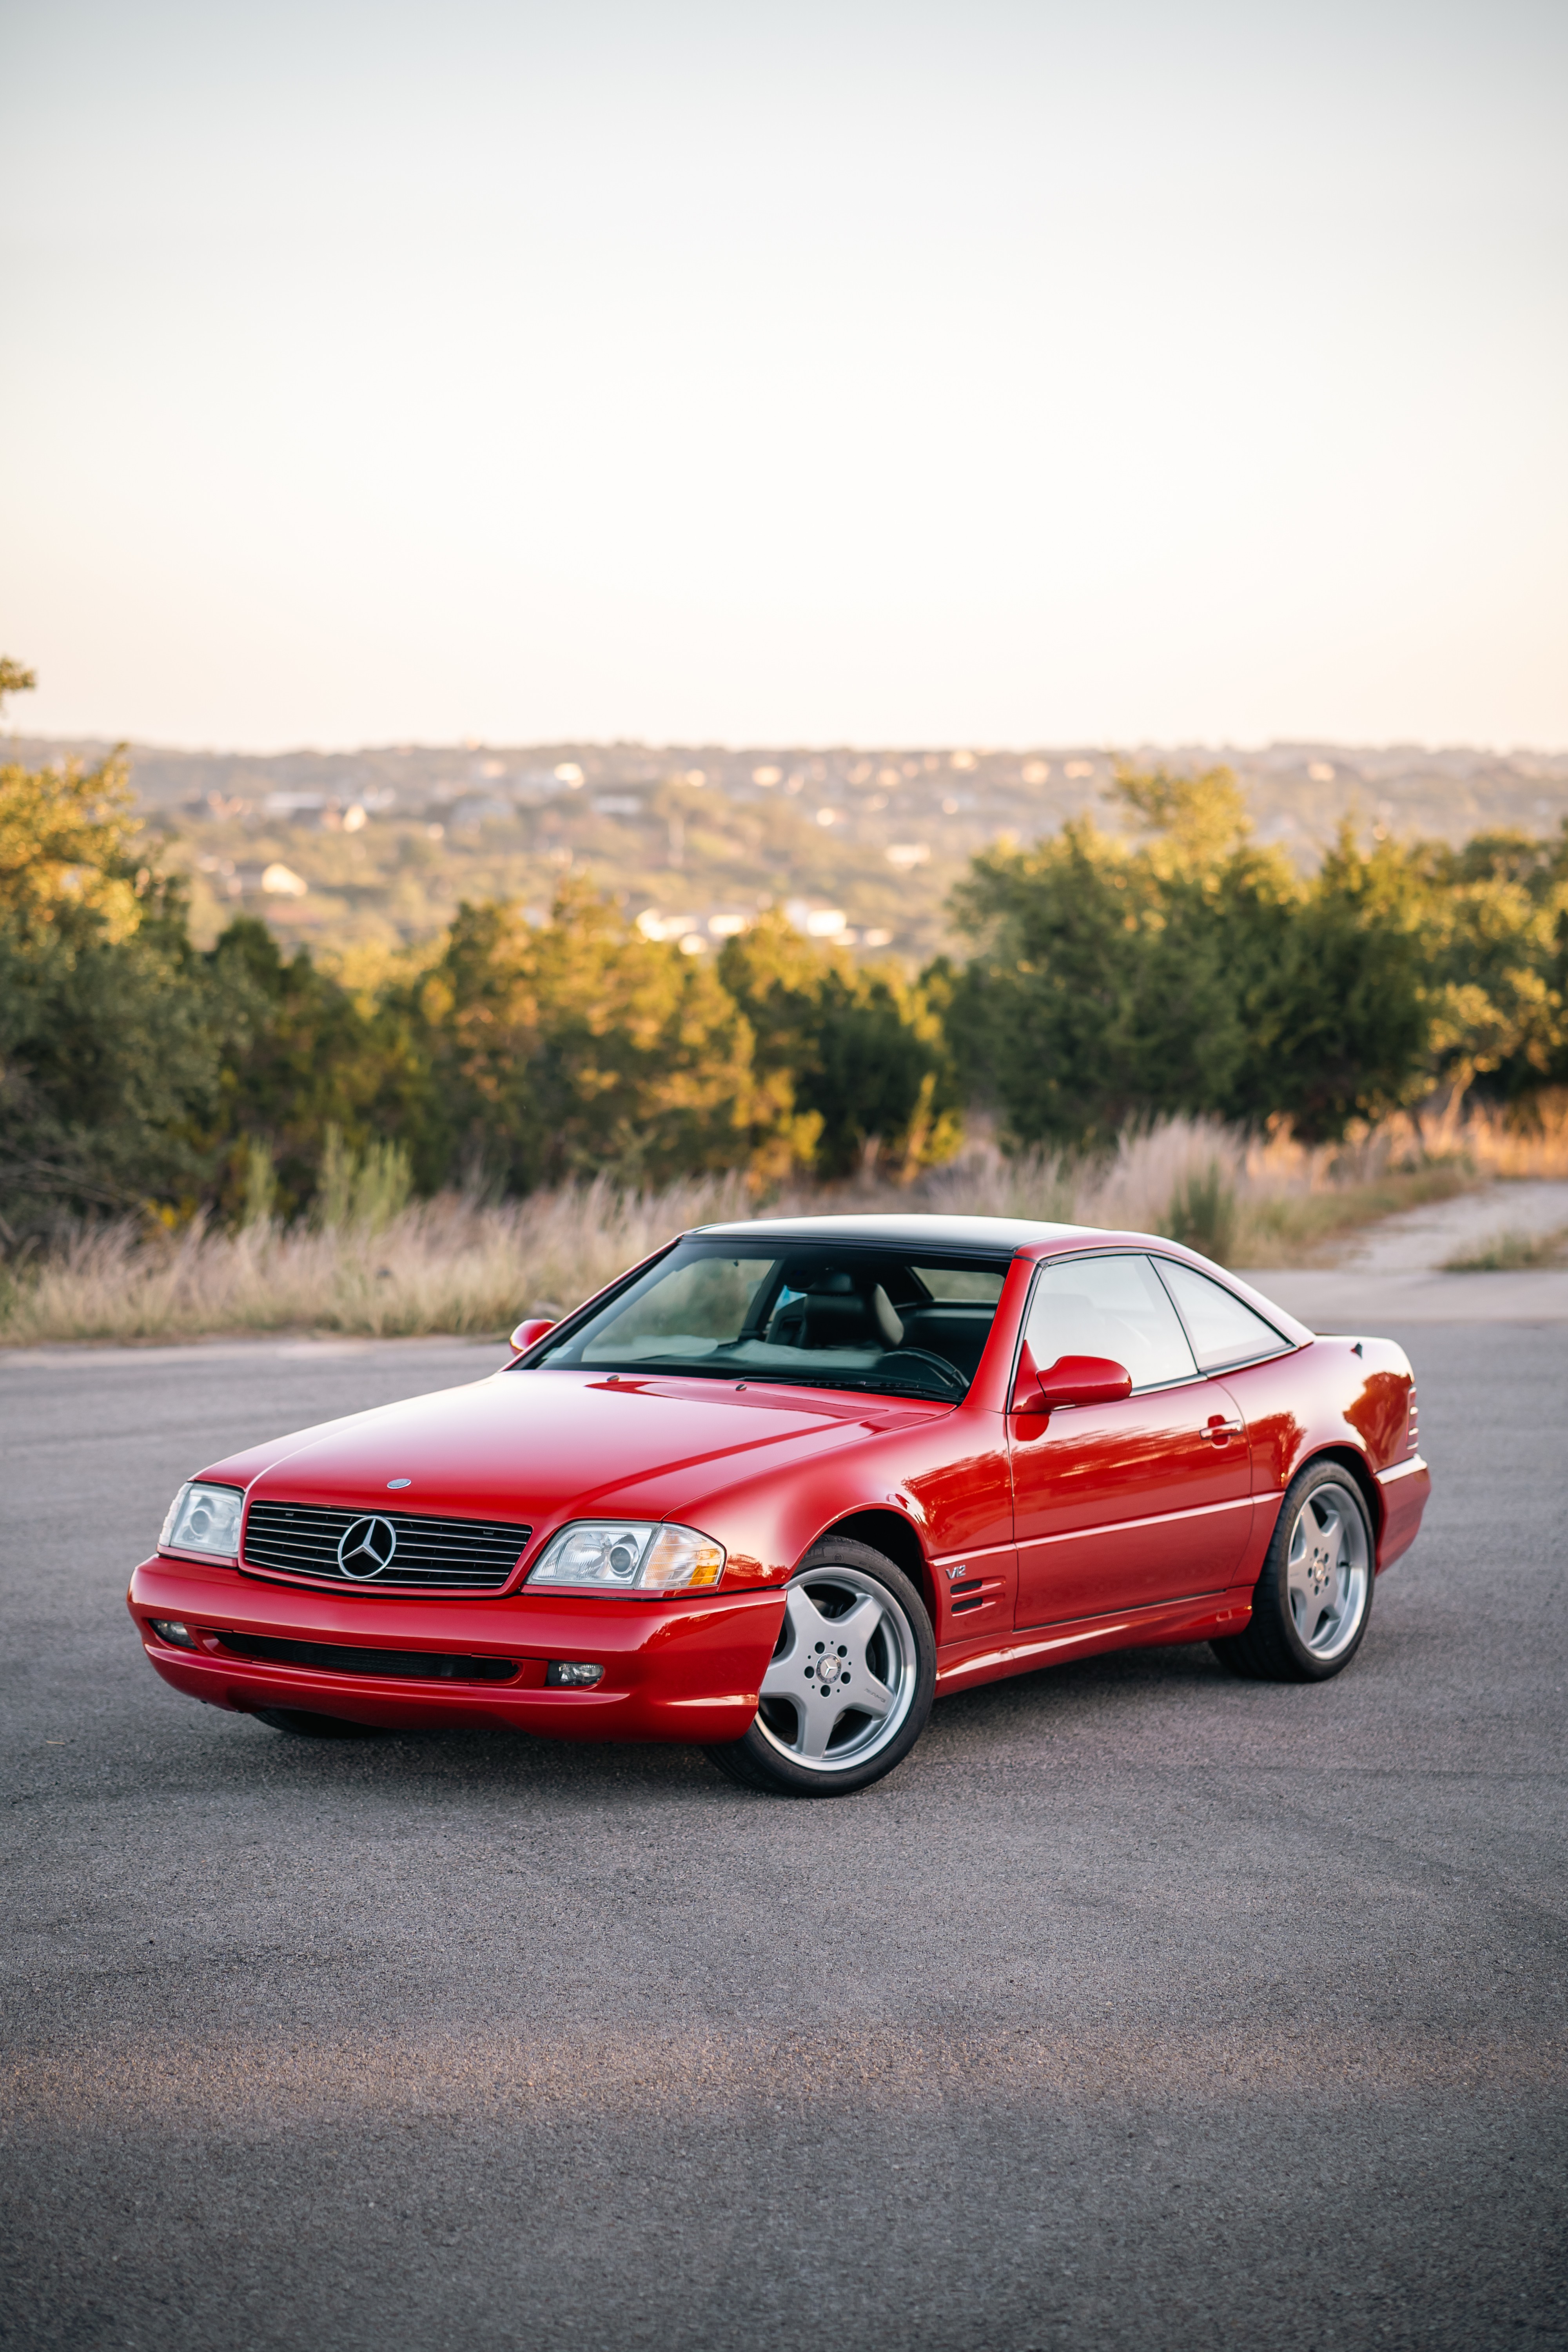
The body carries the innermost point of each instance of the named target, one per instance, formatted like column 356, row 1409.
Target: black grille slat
column 418, row 1665
column 302, row 1539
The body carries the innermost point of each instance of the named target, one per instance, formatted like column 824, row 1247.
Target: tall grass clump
column 360, row 1191
column 1202, row 1212
column 1178, row 1177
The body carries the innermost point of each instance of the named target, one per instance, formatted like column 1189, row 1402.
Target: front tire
column 1313, row 1601
column 850, row 1685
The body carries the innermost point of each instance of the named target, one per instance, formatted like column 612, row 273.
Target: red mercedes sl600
column 786, row 1482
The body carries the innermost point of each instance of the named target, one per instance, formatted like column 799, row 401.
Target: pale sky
column 953, row 374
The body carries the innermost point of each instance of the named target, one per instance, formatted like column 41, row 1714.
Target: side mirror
column 1085, row 1379
column 531, row 1327
column 1072, row 1379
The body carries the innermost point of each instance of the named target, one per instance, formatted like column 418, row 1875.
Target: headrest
column 837, row 1316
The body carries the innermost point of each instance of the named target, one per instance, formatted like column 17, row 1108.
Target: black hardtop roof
column 992, row 1237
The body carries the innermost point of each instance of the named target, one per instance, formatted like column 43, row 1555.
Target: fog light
column 169, row 1629
column 571, row 1674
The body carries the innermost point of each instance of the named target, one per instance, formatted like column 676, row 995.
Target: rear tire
column 855, row 1629
column 306, row 1725
column 1313, row 1601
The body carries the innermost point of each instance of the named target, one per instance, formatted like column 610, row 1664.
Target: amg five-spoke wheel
column 1328, row 1568
column 1312, row 1601
column 843, row 1678
column 850, row 1683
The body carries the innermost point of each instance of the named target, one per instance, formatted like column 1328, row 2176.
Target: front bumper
column 686, row 1669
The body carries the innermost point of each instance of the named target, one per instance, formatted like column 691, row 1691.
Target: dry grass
column 459, row 1266
column 447, row 1264
column 1511, row 1252
column 1529, row 1141
column 1301, row 1227
column 1245, row 1204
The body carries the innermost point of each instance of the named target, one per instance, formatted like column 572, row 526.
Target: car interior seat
column 835, row 1314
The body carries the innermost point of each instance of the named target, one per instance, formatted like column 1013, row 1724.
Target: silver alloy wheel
column 1328, row 1569
column 844, row 1677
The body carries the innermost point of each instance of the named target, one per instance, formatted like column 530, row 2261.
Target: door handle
column 1219, row 1432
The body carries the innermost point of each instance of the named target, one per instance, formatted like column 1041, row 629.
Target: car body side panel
column 1346, row 1397
column 1129, row 1504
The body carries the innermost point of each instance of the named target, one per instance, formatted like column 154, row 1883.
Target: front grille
column 421, row 1665
column 303, row 1539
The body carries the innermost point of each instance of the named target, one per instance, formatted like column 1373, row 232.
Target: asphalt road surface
column 1140, row 2008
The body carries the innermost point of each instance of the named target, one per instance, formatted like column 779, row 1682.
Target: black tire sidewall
column 754, row 1762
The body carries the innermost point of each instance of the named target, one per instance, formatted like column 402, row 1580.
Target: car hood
column 542, row 1445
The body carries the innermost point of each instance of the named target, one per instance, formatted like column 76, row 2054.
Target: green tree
column 1335, row 993
column 1494, row 918
column 577, row 1045
column 853, row 1057
column 302, row 1061
column 16, row 678
column 1188, row 970
column 1099, row 989
column 108, row 1057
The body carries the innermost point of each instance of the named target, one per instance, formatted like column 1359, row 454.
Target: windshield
column 843, row 1317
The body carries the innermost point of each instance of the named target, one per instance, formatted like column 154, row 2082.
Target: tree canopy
column 1175, row 966
column 1187, row 969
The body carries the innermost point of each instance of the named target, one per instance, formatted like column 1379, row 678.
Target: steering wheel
column 939, row 1364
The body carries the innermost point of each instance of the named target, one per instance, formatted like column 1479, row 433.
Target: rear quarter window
column 1222, row 1330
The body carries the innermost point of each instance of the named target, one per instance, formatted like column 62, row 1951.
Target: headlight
column 204, row 1518
column 630, row 1556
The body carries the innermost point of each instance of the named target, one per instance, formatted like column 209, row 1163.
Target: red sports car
column 786, row 1482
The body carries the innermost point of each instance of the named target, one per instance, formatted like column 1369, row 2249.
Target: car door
column 1123, row 1505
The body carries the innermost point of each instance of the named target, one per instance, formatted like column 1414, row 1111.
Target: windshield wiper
column 684, row 1368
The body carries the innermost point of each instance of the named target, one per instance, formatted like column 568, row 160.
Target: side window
column 1111, row 1306
column 1224, row 1329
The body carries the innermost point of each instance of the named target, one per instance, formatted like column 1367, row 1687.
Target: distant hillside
column 379, row 845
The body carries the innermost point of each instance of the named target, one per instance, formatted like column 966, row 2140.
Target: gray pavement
column 1141, row 2007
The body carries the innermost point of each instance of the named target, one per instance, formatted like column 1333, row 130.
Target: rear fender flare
column 1349, row 1459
